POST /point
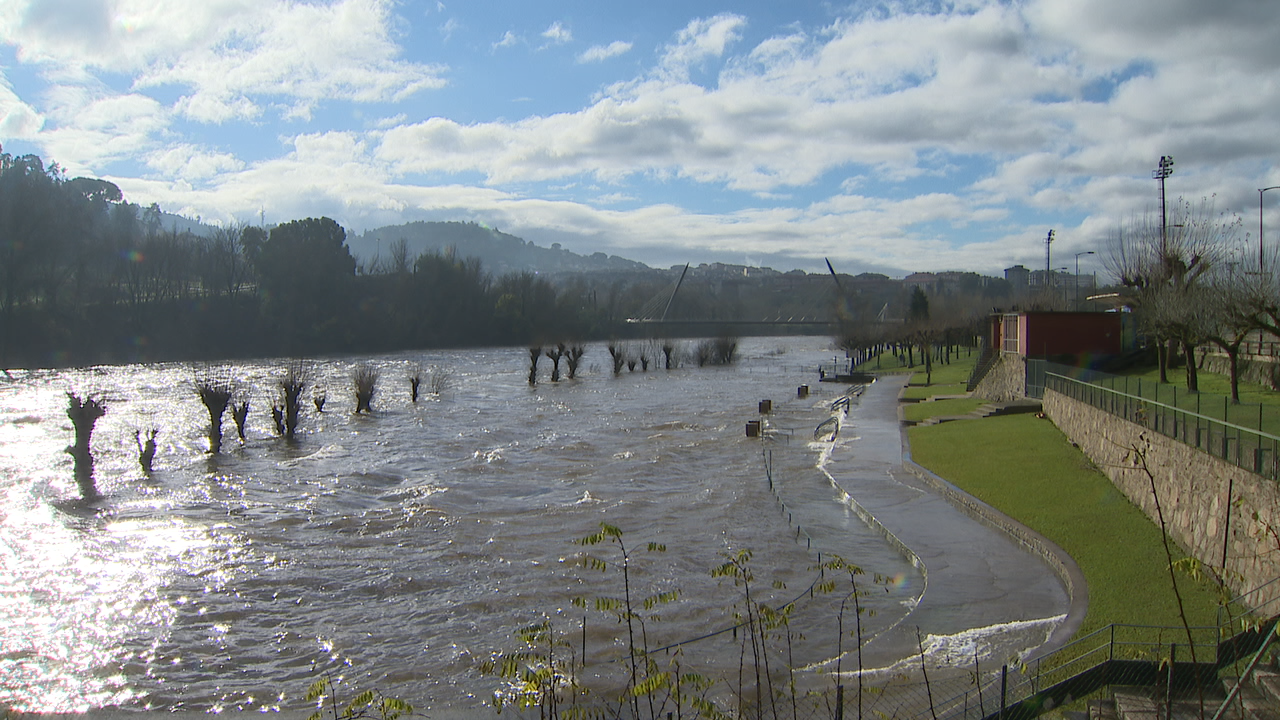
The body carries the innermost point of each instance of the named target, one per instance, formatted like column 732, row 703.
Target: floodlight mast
column 1047, row 242
column 1160, row 173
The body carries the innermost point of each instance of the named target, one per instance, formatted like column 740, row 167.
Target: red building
column 1048, row 334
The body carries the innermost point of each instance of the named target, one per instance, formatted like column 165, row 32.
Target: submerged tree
column 240, row 413
column 216, row 394
column 147, row 449
column 295, row 381
column 439, row 380
column 535, row 352
column 668, row 353
column 573, row 357
column 555, row 353
column 84, row 413
column 415, row 379
column 365, row 380
column 619, row 355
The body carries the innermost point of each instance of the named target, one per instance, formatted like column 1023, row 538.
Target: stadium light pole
column 1160, row 173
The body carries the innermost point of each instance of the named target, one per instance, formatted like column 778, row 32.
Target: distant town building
column 1019, row 278
column 927, row 282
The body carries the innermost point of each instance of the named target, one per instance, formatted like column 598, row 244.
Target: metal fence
column 1234, row 432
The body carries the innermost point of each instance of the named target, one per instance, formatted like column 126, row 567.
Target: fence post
column 1168, row 689
column 1004, row 687
column 839, row 702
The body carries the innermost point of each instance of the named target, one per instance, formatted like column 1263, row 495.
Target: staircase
column 986, row 360
column 1258, row 699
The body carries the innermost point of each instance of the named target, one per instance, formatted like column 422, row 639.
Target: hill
column 499, row 252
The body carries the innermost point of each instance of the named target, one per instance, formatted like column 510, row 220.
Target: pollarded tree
column 1164, row 265
column 1231, row 304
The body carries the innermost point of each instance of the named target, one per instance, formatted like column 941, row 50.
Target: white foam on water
column 963, row 649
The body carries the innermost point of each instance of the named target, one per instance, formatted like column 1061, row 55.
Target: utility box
column 753, row 428
column 766, row 407
column 802, row 392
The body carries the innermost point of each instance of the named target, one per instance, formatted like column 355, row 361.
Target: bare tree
column 295, row 381
column 215, row 392
column 84, row 414
column 365, row 381
column 1164, row 264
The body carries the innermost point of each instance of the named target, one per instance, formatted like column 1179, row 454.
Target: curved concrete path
column 987, row 592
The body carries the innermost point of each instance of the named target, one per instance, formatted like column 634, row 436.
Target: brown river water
column 398, row 550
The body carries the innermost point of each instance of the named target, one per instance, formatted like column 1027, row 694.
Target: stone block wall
column 1193, row 487
column 1006, row 381
column 1258, row 369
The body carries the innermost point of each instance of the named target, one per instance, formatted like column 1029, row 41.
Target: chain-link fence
column 1245, row 435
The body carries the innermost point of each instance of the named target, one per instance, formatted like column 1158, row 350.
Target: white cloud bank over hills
column 897, row 140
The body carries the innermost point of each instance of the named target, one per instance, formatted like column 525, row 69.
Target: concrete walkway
column 986, row 592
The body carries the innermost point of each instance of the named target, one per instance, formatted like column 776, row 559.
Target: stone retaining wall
column 1006, row 381
column 1197, row 490
column 1259, row 369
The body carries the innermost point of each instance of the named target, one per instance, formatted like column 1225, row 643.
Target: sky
column 889, row 137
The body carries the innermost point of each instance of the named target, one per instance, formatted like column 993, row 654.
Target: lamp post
column 1086, row 252
column 1262, row 269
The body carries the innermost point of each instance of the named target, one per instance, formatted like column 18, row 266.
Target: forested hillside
column 500, row 253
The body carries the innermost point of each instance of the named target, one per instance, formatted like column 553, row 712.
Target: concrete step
column 1253, row 702
column 1103, row 710
column 1267, row 681
column 1141, row 703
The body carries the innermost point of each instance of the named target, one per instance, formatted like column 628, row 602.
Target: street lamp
column 1262, row 269
column 1086, row 252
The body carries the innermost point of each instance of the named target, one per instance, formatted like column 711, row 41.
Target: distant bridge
column 654, row 314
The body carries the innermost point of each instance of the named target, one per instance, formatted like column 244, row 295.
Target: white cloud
column 557, row 33
column 1039, row 109
column 190, row 163
column 699, row 41
column 18, row 120
column 225, row 54
column 507, row 40
column 449, row 27
column 598, row 53
column 93, row 131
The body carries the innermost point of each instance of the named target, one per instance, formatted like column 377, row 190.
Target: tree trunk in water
column 83, row 415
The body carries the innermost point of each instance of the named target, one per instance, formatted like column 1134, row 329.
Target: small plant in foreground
column 539, row 675
column 368, row 704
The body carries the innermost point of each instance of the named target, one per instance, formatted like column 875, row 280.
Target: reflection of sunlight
column 74, row 593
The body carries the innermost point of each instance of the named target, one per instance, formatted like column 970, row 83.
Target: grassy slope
column 938, row 408
column 1025, row 467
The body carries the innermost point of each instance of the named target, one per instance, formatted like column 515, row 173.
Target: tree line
column 87, row 277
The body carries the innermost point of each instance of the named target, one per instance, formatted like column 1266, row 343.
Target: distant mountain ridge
column 497, row 251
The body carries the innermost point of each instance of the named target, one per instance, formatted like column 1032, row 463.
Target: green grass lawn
column 1026, row 468
column 939, row 408
column 924, row 392
column 1259, row 406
